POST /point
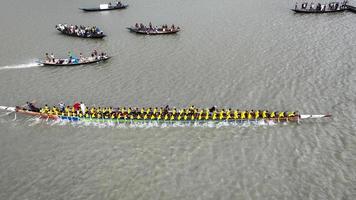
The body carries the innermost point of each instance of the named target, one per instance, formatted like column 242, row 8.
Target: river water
column 240, row 54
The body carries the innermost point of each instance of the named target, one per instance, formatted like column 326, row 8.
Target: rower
column 281, row 115
column 249, row 115
column 243, row 114
column 264, row 114
column 45, row 109
column 257, row 114
column 214, row 115
column 273, row 114
column 236, row 114
column 291, row 114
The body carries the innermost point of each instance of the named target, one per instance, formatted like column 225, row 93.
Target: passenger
column 52, row 57
column 48, row 58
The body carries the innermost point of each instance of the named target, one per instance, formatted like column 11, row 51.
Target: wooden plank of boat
column 317, row 11
column 65, row 62
column 153, row 32
column 123, row 6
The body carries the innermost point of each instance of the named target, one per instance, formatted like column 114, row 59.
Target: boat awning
column 104, row 6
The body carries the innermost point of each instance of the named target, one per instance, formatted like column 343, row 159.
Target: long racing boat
column 162, row 116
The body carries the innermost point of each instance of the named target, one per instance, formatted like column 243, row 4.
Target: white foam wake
column 21, row 66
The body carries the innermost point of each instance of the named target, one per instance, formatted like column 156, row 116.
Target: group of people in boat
column 81, row 31
column 163, row 113
column 151, row 28
column 116, row 4
column 323, row 7
column 73, row 59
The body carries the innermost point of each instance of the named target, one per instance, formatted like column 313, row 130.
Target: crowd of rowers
column 166, row 113
column 141, row 27
column 323, row 7
column 74, row 59
column 113, row 5
column 81, row 31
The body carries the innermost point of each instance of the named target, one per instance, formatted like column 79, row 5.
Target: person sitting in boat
column 150, row 25
column 48, row 58
column 118, row 3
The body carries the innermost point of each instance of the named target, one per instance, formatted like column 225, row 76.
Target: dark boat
column 321, row 8
column 88, row 34
column 158, row 31
column 65, row 62
column 351, row 8
column 105, row 7
column 318, row 11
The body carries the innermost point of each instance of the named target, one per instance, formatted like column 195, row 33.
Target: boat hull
column 106, row 9
column 134, row 30
column 312, row 11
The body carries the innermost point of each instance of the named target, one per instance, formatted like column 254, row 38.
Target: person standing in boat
column 32, row 107
column 61, row 107
column 80, row 57
column 52, row 57
column 296, row 5
column 82, row 107
column 48, row 58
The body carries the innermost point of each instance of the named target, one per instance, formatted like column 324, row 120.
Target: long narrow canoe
column 159, row 31
column 65, row 62
column 123, row 6
column 296, row 118
column 299, row 10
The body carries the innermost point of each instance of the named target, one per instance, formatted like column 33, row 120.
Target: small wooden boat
column 158, row 31
column 105, row 7
column 96, row 35
column 73, row 62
